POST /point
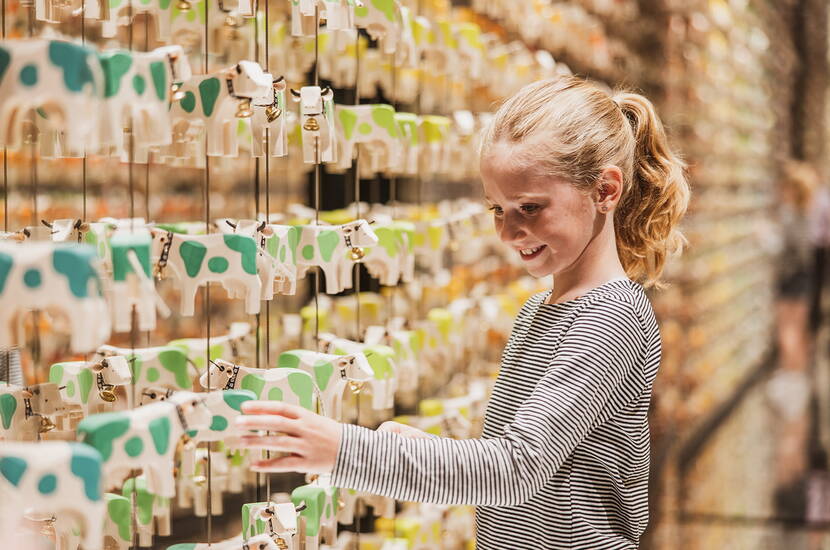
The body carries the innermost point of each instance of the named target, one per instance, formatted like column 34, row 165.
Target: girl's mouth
column 531, row 253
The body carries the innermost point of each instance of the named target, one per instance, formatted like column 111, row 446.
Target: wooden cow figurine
column 410, row 150
column 435, row 139
column 331, row 374
column 91, row 385
column 373, row 126
column 319, row 134
column 279, row 521
column 118, row 526
column 131, row 288
column 153, row 515
column 195, row 486
column 272, row 270
column 294, row 386
column 407, row 345
column 382, row 506
column 393, row 259
column 196, row 260
column 326, row 246
column 258, row 542
column 381, row 360
column 382, row 20
column 25, row 411
column 63, row 79
column 270, row 112
column 212, row 105
column 339, row 15
column 122, row 12
column 67, row 230
column 145, row 438
column 52, row 478
column 56, row 277
column 234, row 345
column 160, row 367
column 318, row 504
column 138, row 89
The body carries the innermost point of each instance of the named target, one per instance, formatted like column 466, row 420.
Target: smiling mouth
column 530, row 253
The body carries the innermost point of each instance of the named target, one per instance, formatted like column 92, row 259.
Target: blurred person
column 583, row 186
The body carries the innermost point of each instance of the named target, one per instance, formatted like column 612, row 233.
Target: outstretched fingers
column 291, row 463
column 278, row 443
column 269, row 422
column 273, row 407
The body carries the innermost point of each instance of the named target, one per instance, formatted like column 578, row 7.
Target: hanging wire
column 317, row 169
column 208, row 472
column 356, row 273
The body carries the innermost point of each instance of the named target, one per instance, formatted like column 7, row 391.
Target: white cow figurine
column 196, row 260
column 279, row 521
column 317, row 124
column 132, row 283
column 57, row 277
column 236, row 344
column 24, row 411
column 373, row 126
column 339, row 15
column 293, row 386
column 145, row 438
column 270, row 112
column 212, row 104
column 326, row 246
column 382, row 20
column 91, row 385
column 331, row 374
column 153, row 511
column 52, row 478
column 381, row 361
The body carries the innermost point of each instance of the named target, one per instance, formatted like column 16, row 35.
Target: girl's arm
column 596, row 372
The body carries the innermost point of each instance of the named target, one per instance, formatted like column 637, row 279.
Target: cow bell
column 357, row 253
column 243, row 110
column 46, row 425
column 176, row 93
column 199, row 480
column 183, row 5
column 355, row 386
column 272, row 113
column 280, row 542
column 311, row 125
column 107, row 395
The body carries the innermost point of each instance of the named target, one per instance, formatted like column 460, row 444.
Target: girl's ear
column 609, row 189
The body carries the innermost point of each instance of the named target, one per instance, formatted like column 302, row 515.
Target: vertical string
column 208, row 472
column 356, row 275
column 317, row 169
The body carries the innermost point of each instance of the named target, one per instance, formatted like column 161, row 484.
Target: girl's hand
column 404, row 430
column 312, row 440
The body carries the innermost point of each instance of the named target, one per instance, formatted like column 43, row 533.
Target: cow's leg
column 188, row 298
column 252, row 295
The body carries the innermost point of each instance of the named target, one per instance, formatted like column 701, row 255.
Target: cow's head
column 249, row 80
column 220, row 371
column 154, row 395
column 63, row 229
column 114, row 370
column 45, row 398
column 360, row 233
column 354, row 367
column 193, row 409
column 260, row 542
column 326, row 341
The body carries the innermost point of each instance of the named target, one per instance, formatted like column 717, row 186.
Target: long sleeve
column 596, row 371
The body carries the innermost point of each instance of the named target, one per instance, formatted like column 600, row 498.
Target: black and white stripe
column 563, row 461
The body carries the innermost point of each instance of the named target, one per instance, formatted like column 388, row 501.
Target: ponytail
column 648, row 213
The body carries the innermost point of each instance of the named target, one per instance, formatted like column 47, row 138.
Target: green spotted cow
column 331, row 374
column 91, row 385
column 160, row 367
column 63, row 80
column 375, row 128
column 53, row 478
column 294, row 386
column 410, row 143
column 118, row 527
column 145, row 438
column 210, row 105
column 393, row 260
column 382, row 362
column 382, row 20
column 235, row 345
column 63, row 279
column 196, row 260
column 278, row 520
column 153, row 511
column 23, row 410
column 318, row 505
column 435, row 143
column 138, row 89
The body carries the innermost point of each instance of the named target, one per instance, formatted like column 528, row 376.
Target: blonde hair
column 802, row 179
column 576, row 130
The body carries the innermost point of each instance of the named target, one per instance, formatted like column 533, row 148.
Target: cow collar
column 182, row 419
column 27, row 406
column 232, row 380
column 348, row 239
column 165, row 252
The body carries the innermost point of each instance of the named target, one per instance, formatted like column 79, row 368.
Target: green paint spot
column 293, row 241
column 99, row 431
column 192, row 433
column 139, row 84
column 56, row 374
column 121, row 246
column 164, row 4
column 348, row 118
column 365, row 128
column 192, row 254
column 152, row 374
column 271, row 245
column 174, row 361
column 76, row 263
column 235, row 398
column 160, row 432
column 218, row 264
column 28, row 75
column 308, row 252
column 5, row 58
column 322, row 374
column 5, row 267
column 8, row 404
column 118, row 510
column 275, row 394
column 135, row 367
column 288, row 360
column 84, row 384
column 218, row 424
column 387, row 7
column 115, row 66
column 384, row 117
column 314, row 498
column 254, row 383
column 282, row 254
column 72, row 60
column 387, row 238
column 159, row 74
column 70, row 388
column 188, row 102
column 183, row 546
column 134, row 446
column 303, row 387
column 361, row 11
column 32, row 278
column 327, row 242
column 247, row 248
column 86, row 465
column 209, row 92
column 12, row 468
column 47, row 484
column 144, row 500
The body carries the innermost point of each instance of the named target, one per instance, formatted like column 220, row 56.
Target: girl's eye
column 496, row 210
column 530, row 208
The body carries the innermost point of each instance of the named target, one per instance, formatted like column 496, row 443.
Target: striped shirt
column 564, row 457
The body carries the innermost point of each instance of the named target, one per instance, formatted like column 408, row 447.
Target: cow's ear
column 99, row 366
column 26, row 394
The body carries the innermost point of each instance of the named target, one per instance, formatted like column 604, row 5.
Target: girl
column 582, row 186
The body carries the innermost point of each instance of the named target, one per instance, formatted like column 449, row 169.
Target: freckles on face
column 544, row 215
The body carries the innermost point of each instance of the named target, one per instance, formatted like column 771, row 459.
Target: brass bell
column 183, row 5
column 199, row 480
column 107, row 395
column 355, row 386
column 281, row 544
column 243, row 110
column 176, row 93
column 231, row 21
column 272, row 113
column 311, row 125
column 46, row 425
column 357, row 253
